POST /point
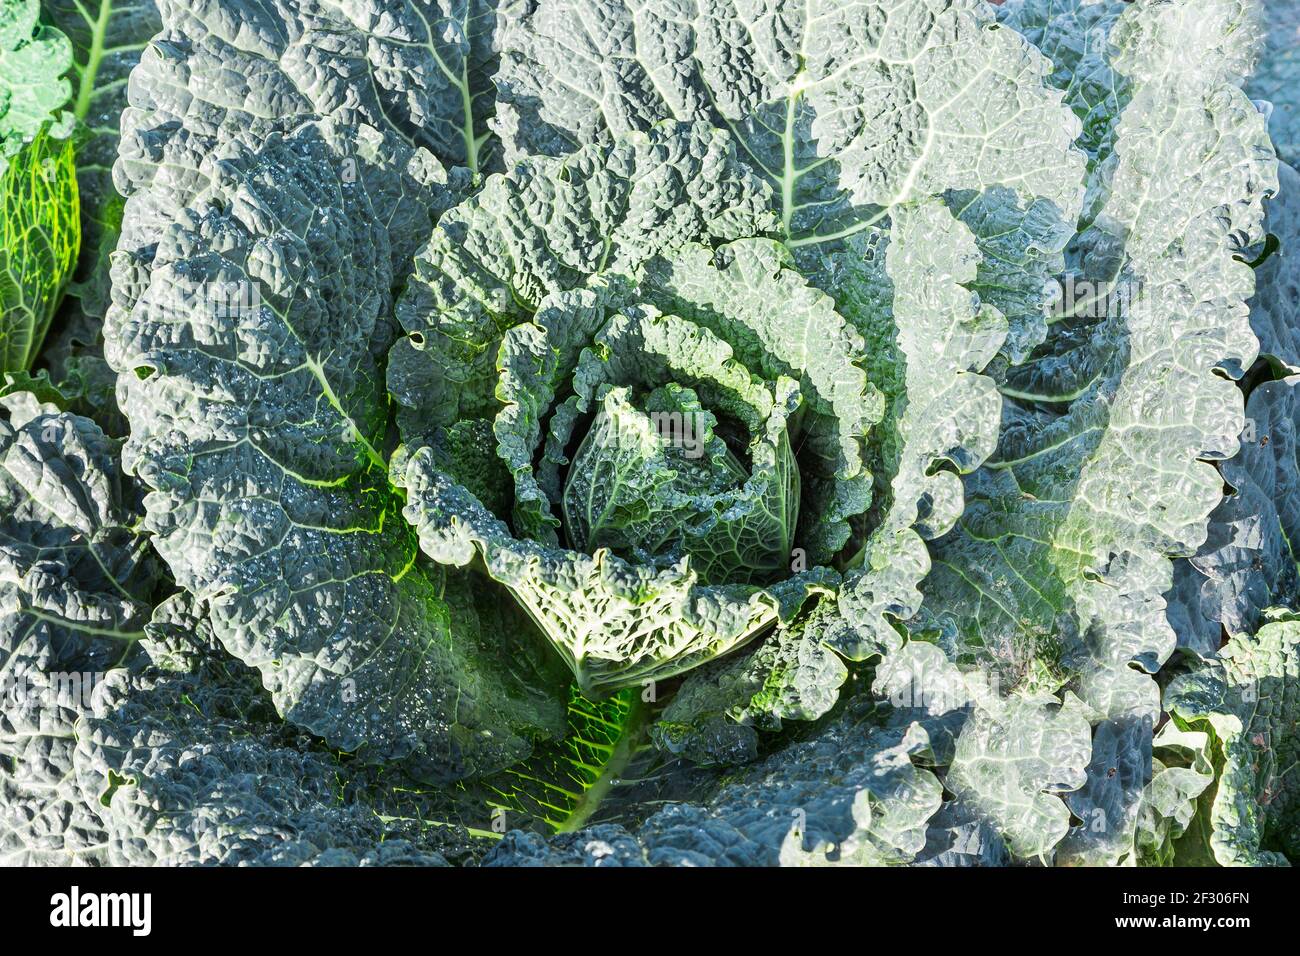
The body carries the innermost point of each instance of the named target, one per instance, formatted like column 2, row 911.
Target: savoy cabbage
column 541, row 432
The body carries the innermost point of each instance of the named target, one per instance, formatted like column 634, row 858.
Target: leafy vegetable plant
column 672, row 433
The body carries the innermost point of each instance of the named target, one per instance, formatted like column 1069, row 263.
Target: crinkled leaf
column 944, row 413
column 33, row 61
column 75, row 578
column 847, row 110
column 369, row 63
column 793, row 674
column 186, row 763
column 958, row 836
column 1249, row 696
column 851, row 795
column 634, row 493
column 604, row 845
column 39, row 239
column 107, row 38
column 891, row 814
column 252, row 363
column 616, row 624
column 1056, row 571
column 1181, row 772
column 730, row 292
column 1073, row 35
column 1275, row 309
column 1110, row 800
column 1013, row 758
column 543, row 229
column 1248, row 562
column 1277, row 78
column 563, row 784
